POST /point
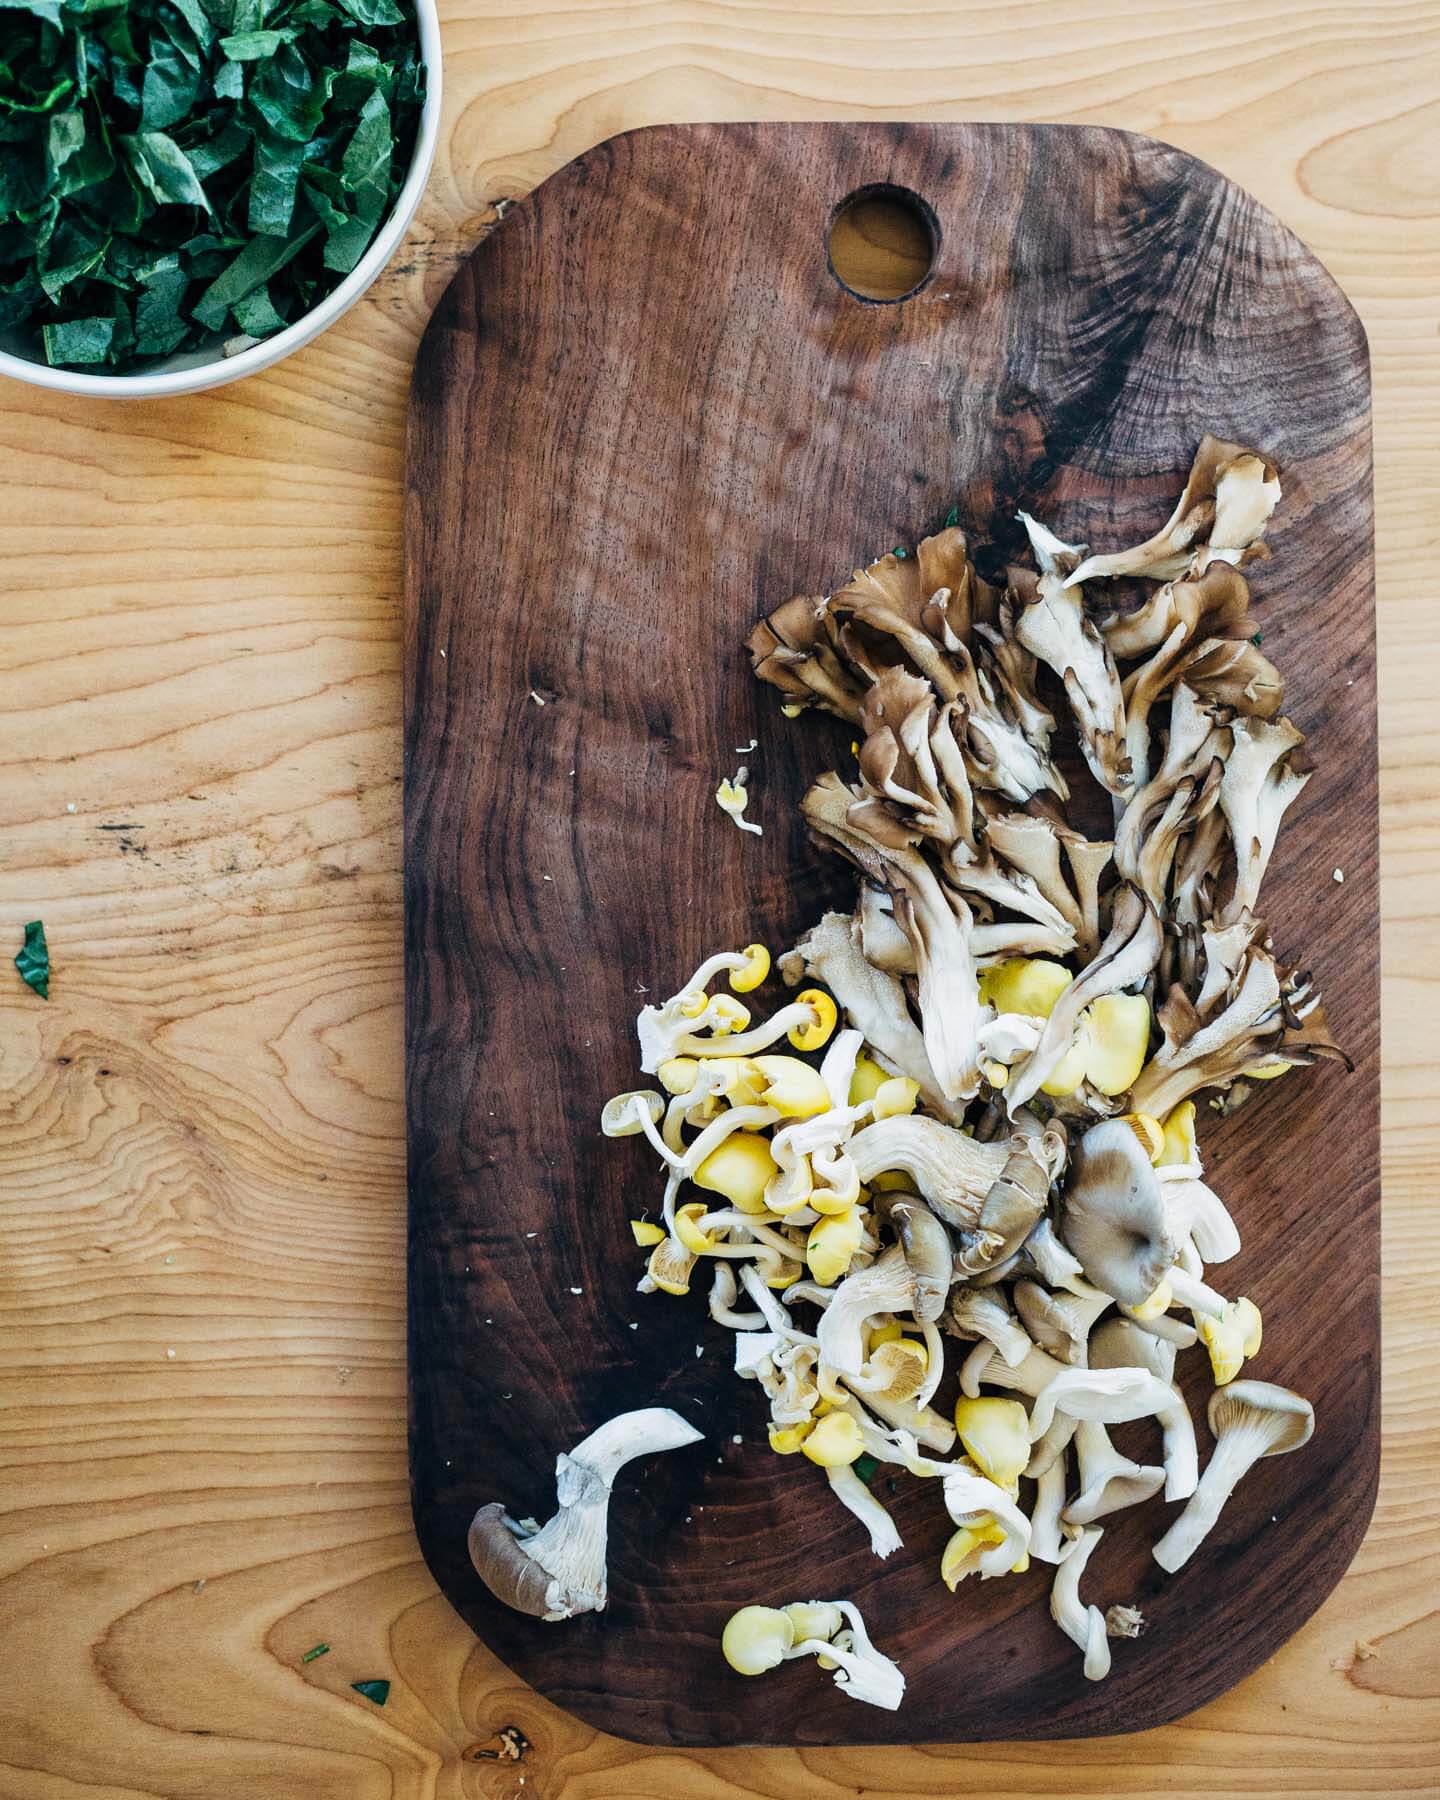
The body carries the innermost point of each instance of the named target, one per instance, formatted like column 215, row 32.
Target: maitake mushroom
column 997, row 1144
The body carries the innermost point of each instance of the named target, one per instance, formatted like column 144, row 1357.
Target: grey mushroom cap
column 504, row 1567
column 1123, row 1344
column 926, row 1244
column 1114, row 1215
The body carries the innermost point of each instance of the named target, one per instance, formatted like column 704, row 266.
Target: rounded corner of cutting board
column 590, row 427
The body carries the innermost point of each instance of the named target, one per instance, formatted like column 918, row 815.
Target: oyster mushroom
column 1009, row 1211
column 1113, row 1396
column 1114, row 1215
column 558, row 1570
column 983, row 1313
column 1060, row 1323
column 1249, row 1419
column 1121, row 1343
column 1109, row 1482
column 1083, row 1625
column 953, row 1172
column 1050, row 1539
column 926, row 1247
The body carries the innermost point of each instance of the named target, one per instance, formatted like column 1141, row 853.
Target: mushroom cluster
column 975, row 1120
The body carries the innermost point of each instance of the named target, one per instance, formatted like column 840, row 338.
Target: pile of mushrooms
column 974, row 1121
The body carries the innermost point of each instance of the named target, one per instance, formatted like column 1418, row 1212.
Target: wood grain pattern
column 592, row 529
column 202, row 598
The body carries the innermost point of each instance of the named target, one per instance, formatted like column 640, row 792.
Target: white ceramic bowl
column 191, row 371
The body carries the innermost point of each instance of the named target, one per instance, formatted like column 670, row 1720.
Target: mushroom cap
column 1114, row 1218
column 1288, row 1417
column 926, row 1245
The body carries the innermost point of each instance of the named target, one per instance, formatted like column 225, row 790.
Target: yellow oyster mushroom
column 867, row 1080
column 1024, row 984
column 1150, row 1132
column 739, row 1168
column 832, row 1244
column 670, row 1265
column 677, row 1074
column 996, row 1436
column 752, row 971
column 1119, row 1041
column 1153, row 1305
column 756, row 1638
column 816, row 1034
column 961, row 1555
column 645, row 1233
column 687, row 1228
column 786, row 1440
column 896, row 1097
column 1231, row 1338
column 792, row 1087
column 1069, row 1072
column 835, row 1442
column 1179, row 1136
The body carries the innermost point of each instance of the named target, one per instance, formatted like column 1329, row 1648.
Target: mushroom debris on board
column 976, row 1117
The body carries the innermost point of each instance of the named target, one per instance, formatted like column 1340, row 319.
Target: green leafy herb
column 378, row 1691
column 865, row 1467
column 1258, row 639
column 952, row 517
column 899, row 553
column 33, row 962
column 314, row 1651
column 174, row 170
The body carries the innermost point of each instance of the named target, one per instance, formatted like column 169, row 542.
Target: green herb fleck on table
column 1258, row 639
column 314, row 1651
column 378, row 1691
column 33, row 961
column 899, row 553
column 865, row 1467
column 952, row 517
column 174, row 172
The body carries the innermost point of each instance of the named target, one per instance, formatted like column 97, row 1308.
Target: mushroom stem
column 852, row 1492
column 1083, row 1625
column 1190, row 1291
column 1048, row 1540
column 1231, row 1460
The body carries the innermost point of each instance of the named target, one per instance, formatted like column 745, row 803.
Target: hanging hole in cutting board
column 882, row 242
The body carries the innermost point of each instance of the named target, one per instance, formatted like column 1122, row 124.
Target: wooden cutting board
column 643, row 414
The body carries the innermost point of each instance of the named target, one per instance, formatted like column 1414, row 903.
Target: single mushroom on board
column 1249, row 1419
column 759, row 1638
column 558, row 1570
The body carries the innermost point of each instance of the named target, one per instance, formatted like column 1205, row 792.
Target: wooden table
column 202, row 1272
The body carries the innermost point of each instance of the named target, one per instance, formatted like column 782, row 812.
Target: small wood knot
column 509, row 1744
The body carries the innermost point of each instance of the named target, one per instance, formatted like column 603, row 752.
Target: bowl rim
column 224, row 369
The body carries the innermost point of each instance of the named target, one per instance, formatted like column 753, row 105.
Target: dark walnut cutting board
column 644, row 413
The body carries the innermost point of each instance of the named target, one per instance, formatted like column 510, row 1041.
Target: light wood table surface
column 202, row 1211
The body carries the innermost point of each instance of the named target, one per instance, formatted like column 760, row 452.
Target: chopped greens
column 33, row 961
column 171, row 170
column 378, row 1691
column 865, row 1467
column 314, row 1651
